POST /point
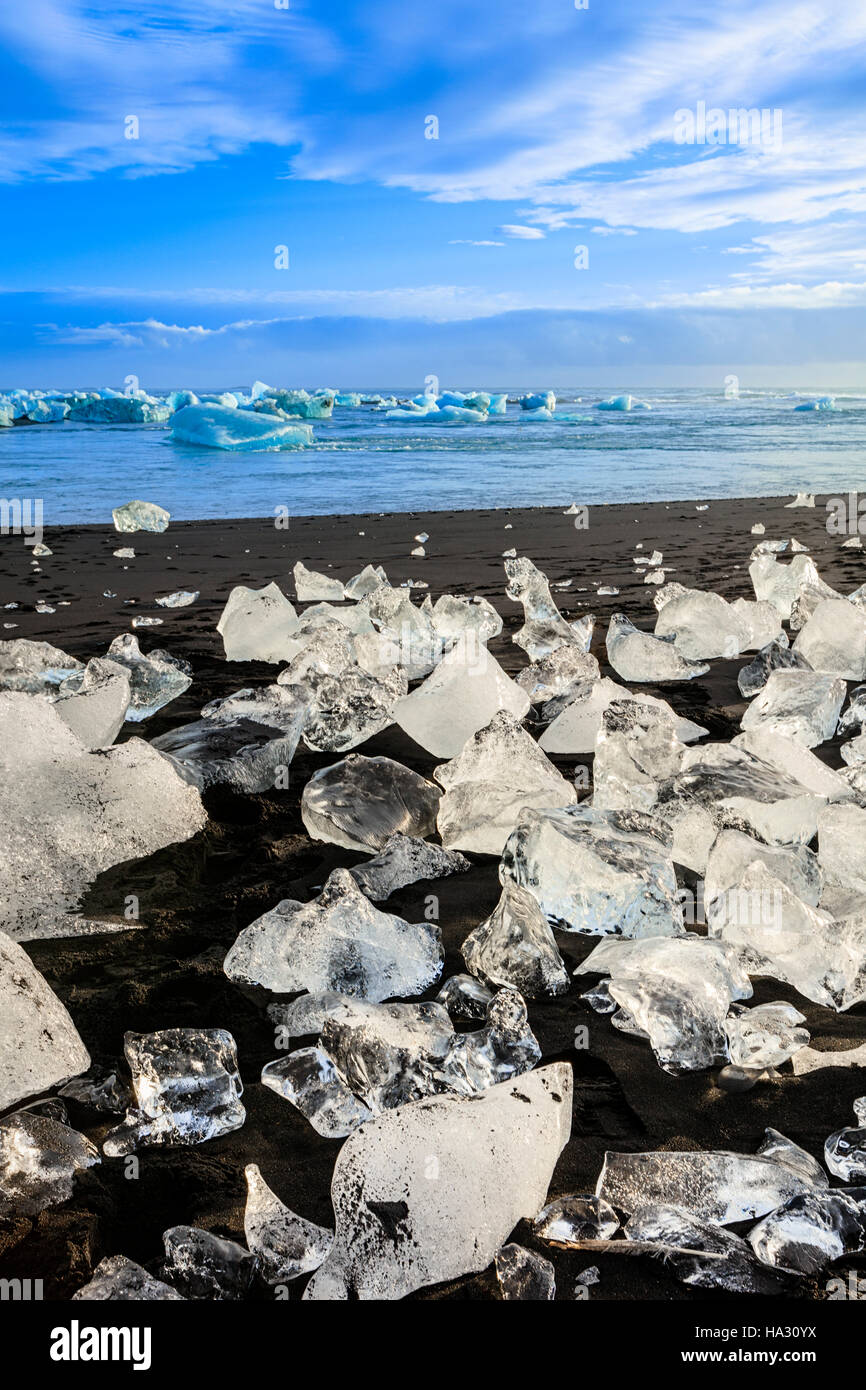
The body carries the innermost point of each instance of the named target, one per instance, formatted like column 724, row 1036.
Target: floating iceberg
column 223, row 427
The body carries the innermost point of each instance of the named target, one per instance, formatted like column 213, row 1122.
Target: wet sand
column 196, row 897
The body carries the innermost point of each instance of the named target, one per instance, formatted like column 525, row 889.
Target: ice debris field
column 457, row 1078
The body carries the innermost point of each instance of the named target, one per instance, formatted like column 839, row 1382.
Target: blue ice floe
column 225, row 427
column 822, row 403
column 622, row 403
column 539, row 400
column 120, row 410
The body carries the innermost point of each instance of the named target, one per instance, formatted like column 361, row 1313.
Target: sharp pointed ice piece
column 403, row 861
column 702, row 625
column 140, row 516
column 673, row 1226
column 637, row 753
column 545, row 629
column 201, row 1265
column 39, row 1159
column 309, row 1080
column 286, row 1245
column 312, row 587
column 845, row 1156
column 807, row 1232
column 765, row 1036
column 515, row 946
column 35, row 668
column 834, row 639
column 397, row 1231
column 39, row 1046
column 339, row 942
column 791, row 758
column 370, row 578
column 717, row 1186
column 360, row 803
column 842, row 849
column 569, row 1220
column 677, row 993
column 464, row 997
column 68, row 814
column 95, row 712
column 500, row 772
column 575, row 728
column 733, row 852
column 773, row 657
column 638, row 656
column 155, row 677
column 783, row 1150
column 780, row 584
column 350, row 708
column 569, row 666
column 411, row 629
column 521, row 1274
column 259, row 625
column 597, row 872
column 461, row 696
column 117, row 1279
column 187, row 1089
column 456, row 615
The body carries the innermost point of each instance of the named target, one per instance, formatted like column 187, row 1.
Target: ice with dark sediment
column 186, row 1086
column 515, row 946
column 637, row 753
column 716, row 1186
column 204, row 1266
column 339, row 942
column 68, row 813
column 285, row 1244
column 259, row 625
column 155, row 677
column 348, row 709
column 676, row 991
column 499, row 772
column 140, row 516
column 576, row 1217
column 96, row 710
column 737, row 1271
column 639, row 656
column 575, row 724
column 40, row 1046
column 464, row 693
column 764, row 1036
column 360, row 803
column 597, row 872
column 464, row 997
column 418, row 1194
column 772, row 657
column 244, row 741
column 563, row 670
column 35, row 668
column 405, row 860
column 119, row 1280
column 544, row 629
column 39, row 1161
column 523, row 1275
column 807, row 1232
column 312, row 587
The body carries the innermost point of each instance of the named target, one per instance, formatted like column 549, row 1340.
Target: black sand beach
column 197, row 896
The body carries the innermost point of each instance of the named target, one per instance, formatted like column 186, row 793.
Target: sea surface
column 692, row 443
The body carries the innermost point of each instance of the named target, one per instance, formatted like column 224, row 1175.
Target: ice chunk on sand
column 515, row 946
column 309, row 1080
column 521, row 1274
column 772, row 657
column 155, row 677
column 765, row 1036
column 464, row 997
column 370, row 578
column 638, row 656
column 675, row 1231
column 259, row 625
column 35, row 668
column 141, row 516
column 780, row 584
column 350, row 708
column 597, row 872
column 810, row 1059
column 360, row 803
column 340, row 942
column 117, row 1279
column 575, row 728
column 677, row 992
column 545, row 629
column 248, row 752
column 637, row 752
column 574, row 1218
column 284, row 1242
column 39, row 1159
column 834, row 639
column 181, row 598
column 410, row 629
column 500, row 771
column 801, row 705
column 807, row 1232
column 807, row 499
column 733, row 851
column 201, row 1265
column 842, row 848
column 68, row 814
column 719, row 1187
column 95, row 712
column 461, row 696
column 225, row 427
column 187, row 1089
column 405, row 860
column 311, row 586
column 456, row 615
column 566, row 668
column 703, row 625
column 845, row 1156
column 397, row 1231
column 792, row 760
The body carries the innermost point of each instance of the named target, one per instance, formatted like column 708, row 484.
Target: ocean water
column 691, row 444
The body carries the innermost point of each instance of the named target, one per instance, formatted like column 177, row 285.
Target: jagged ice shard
column 405, row 860
column 402, row 1226
column 34, row 668
column 284, row 1242
column 461, row 696
column 801, row 705
column 155, row 677
column 545, row 629
column 259, row 625
column 719, row 1187
column 638, row 656
column 515, row 946
column 39, row 1160
column 119, row 1280
column 575, row 727
column 360, row 803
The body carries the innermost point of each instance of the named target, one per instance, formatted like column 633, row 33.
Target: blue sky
column 260, row 126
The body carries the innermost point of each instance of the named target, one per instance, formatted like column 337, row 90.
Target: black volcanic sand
column 197, row 896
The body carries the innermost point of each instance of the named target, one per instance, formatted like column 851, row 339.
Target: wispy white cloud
column 518, row 233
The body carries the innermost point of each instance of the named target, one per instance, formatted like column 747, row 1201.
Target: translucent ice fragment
column 845, row 1156
column 637, row 753
column 140, row 516
column 808, row 1231
column 39, row 1159
column 286, row 1245
column 405, row 860
column 312, row 587
column 360, row 803
column 719, row 1187
column 181, row 598
column 461, row 696
column 576, row 726
column 765, row 1036
column 834, row 639
column 733, row 851
column 350, row 708
column 370, row 577
column 95, row 712
column 553, row 675
column 638, row 656
column 581, row 1216
column 702, row 625
column 521, row 1274
column 155, row 677
column 259, row 625
column 545, row 629
column 737, row 1271
column 310, row 1081
column 35, row 668
column 118, row 1279
column 515, row 946
column 464, row 997
column 773, row 657
column 201, row 1265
